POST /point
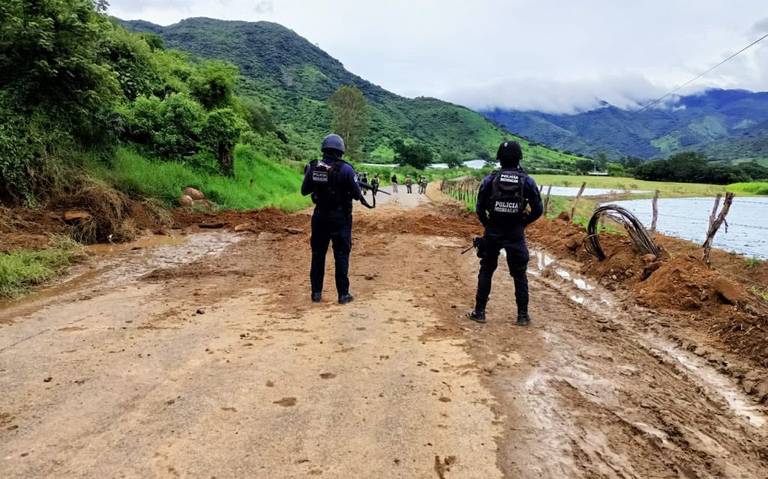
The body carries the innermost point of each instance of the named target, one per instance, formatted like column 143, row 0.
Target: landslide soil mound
column 717, row 298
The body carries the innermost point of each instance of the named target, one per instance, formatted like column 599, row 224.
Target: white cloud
column 548, row 54
column 557, row 96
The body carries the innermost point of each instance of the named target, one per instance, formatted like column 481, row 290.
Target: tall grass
column 23, row 269
column 756, row 188
column 258, row 182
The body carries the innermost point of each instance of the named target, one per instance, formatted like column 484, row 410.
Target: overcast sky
column 550, row 55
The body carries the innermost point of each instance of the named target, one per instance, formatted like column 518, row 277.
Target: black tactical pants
column 517, row 261
column 336, row 227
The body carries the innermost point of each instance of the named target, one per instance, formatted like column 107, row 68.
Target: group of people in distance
column 421, row 183
column 508, row 200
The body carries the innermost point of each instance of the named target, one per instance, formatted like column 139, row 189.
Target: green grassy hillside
column 294, row 78
column 258, row 181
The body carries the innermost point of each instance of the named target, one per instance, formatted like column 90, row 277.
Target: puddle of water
column 737, row 401
column 591, row 300
column 141, row 243
column 189, row 249
column 577, row 299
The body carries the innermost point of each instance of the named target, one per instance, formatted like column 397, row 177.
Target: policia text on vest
column 507, row 202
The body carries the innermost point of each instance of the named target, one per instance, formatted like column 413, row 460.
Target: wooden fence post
column 716, row 223
column 714, row 210
column 576, row 201
column 546, row 200
column 655, row 211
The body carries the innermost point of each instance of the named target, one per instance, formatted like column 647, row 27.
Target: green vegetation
column 350, row 118
column 761, row 292
column 79, row 93
column 294, row 79
column 23, row 269
column 417, row 155
column 755, row 188
column 753, row 263
column 691, row 167
column 257, row 183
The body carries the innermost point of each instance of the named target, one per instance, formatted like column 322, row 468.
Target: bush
column 30, row 157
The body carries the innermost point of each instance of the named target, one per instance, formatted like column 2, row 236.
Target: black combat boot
column 346, row 298
column 523, row 319
column 477, row 315
column 317, row 297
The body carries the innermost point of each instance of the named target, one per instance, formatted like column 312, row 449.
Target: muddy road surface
column 203, row 356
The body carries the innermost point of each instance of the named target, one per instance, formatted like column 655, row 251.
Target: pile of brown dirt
column 682, row 283
column 269, row 219
column 718, row 298
column 452, row 222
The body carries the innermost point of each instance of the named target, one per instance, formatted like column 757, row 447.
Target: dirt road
column 202, row 356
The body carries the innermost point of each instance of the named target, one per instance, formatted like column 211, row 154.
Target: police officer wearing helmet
column 508, row 201
column 332, row 182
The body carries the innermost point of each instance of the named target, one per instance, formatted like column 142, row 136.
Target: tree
column 616, row 169
column 222, row 129
column 417, row 155
column 51, row 58
column 601, row 161
column 350, row 117
column 213, row 84
column 584, row 166
column 257, row 116
column 452, row 159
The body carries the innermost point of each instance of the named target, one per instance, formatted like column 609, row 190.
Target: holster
column 481, row 246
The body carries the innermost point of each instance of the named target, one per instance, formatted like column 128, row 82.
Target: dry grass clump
column 109, row 219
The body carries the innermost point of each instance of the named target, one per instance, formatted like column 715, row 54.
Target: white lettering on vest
column 509, row 178
column 320, row 176
column 512, row 207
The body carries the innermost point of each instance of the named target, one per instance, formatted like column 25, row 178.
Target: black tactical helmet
column 333, row 142
column 510, row 153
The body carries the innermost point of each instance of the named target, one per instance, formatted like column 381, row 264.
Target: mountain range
column 729, row 125
column 294, row 78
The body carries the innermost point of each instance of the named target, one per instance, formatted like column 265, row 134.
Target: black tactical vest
column 327, row 191
column 507, row 202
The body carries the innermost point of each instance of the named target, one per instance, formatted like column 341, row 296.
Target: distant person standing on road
column 394, row 183
column 375, row 184
column 332, row 182
column 364, row 180
column 508, row 201
column 409, row 185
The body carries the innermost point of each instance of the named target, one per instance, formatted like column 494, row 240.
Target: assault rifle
column 366, row 186
column 478, row 243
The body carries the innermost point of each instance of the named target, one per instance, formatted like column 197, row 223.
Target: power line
column 680, row 87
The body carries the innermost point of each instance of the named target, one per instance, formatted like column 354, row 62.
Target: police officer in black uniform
column 507, row 202
column 332, row 182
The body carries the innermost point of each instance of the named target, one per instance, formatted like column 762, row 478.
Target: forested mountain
column 725, row 124
column 293, row 78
